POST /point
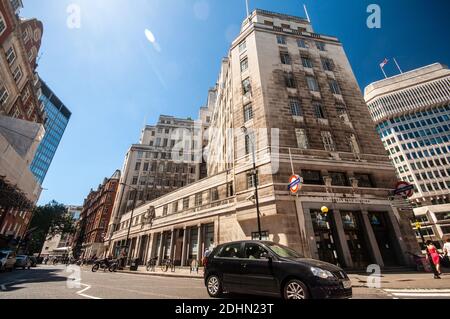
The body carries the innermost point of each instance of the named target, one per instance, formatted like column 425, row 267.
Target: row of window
column 421, row 164
column 302, row 43
column 168, row 167
column 213, row 196
column 417, row 115
column 296, row 109
column 312, row 177
column 435, row 186
column 2, row 24
column 421, row 95
column 153, row 182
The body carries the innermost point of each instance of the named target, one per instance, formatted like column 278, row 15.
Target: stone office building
column 412, row 115
column 295, row 93
column 151, row 170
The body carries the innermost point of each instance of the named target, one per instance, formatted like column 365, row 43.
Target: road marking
column 409, row 294
column 81, row 292
column 416, row 290
column 414, row 293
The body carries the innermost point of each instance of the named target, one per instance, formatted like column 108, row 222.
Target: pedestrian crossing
column 418, row 293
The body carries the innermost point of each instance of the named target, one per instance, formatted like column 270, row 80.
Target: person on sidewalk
column 434, row 258
column 447, row 252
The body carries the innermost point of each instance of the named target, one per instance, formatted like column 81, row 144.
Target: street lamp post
column 131, row 222
column 258, row 214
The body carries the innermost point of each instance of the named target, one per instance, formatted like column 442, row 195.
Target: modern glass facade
column 57, row 119
column 419, row 145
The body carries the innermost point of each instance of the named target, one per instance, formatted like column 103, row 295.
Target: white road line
column 413, row 290
column 81, row 292
column 411, row 294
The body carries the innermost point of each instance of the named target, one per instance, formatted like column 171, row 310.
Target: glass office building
column 57, row 119
column 412, row 116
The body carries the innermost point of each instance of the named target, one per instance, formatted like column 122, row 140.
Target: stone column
column 183, row 249
column 306, row 231
column 137, row 247
column 216, row 231
column 372, row 240
column 160, row 249
column 172, row 242
column 199, row 242
column 342, row 240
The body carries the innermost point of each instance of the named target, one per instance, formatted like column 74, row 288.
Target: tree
column 48, row 221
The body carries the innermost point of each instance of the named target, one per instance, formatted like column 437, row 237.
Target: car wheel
column 214, row 286
column 295, row 289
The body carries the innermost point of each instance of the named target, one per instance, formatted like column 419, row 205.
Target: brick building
column 21, row 119
column 94, row 218
column 296, row 95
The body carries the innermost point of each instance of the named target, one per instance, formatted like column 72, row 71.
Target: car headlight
column 321, row 273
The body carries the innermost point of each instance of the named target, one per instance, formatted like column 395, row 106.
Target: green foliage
column 49, row 220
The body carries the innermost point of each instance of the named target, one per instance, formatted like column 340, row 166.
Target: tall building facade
column 21, row 119
column 92, row 227
column 295, row 94
column 412, row 115
column 161, row 162
column 57, row 119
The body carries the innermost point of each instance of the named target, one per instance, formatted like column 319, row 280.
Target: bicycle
column 151, row 264
column 166, row 264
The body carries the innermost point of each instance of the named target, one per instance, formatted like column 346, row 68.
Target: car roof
column 248, row 241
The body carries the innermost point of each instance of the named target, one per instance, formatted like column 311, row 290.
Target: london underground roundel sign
column 404, row 189
column 295, row 183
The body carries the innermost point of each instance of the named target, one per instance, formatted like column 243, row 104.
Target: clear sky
column 114, row 80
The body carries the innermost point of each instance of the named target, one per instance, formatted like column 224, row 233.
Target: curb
column 158, row 274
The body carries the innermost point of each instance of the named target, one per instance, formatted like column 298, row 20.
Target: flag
column 382, row 65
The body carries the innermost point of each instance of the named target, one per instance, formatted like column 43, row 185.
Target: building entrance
column 325, row 237
column 383, row 235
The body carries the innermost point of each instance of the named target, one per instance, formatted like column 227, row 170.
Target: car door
column 11, row 260
column 227, row 264
column 258, row 271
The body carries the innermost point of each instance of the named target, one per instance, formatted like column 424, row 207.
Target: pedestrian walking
column 447, row 253
column 434, row 258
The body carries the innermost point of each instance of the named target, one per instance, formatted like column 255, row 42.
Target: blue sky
column 114, row 80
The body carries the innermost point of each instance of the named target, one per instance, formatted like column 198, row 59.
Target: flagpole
column 398, row 66
column 306, row 12
column 246, row 6
column 382, row 69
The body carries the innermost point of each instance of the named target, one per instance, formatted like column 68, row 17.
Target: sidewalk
column 179, row 272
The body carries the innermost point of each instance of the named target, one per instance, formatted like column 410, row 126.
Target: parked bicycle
column 151, row 264
column 167, row 264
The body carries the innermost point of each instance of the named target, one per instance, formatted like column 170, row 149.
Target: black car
column 267, row 268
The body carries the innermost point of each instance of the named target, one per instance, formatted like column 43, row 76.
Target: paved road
column 57, row 282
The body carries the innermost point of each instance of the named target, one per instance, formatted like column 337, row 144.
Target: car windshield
column 283, row 251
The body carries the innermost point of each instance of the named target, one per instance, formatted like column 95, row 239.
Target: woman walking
column 434, row 258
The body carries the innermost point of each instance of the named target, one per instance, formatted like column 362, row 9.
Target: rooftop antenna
column 248, row 11
column 306, row 11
